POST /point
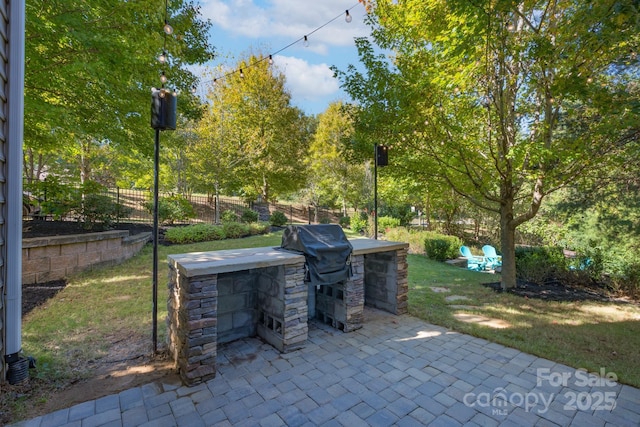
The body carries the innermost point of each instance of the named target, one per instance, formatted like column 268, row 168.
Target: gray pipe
column 15, row 118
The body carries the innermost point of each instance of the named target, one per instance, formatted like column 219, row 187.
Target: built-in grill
column 327, row 253
column 326, row 250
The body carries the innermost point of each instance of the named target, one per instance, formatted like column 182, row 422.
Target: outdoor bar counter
column 221, row 296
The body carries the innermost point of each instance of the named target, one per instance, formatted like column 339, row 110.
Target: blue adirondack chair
column 474, row 262
column 493, row 259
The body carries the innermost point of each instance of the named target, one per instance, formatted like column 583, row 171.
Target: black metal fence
column 136, row 204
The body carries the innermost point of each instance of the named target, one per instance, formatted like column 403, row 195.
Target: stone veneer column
column 354, row 295
column 402, row 306
column 192, row 325
column 296, row 310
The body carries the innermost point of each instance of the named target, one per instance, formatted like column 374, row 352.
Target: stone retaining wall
column 56, row 257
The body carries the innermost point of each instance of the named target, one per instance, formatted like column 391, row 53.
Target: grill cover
column 326, row 250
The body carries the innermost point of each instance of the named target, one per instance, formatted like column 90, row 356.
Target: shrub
column 278, row 219
column 442, row 247
column 101, row 209
column 172, row 209
column 235, row 230
column 256, row 228
column 539, row 263
column 194, row 233
column 344, row 221
column 415, row 238
column 325, row 220
column 249, row 216
column 387, row 222
column 228, row 216
column 359, row 222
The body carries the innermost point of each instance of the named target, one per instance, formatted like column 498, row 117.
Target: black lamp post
column 163, row 117
column 381, row 156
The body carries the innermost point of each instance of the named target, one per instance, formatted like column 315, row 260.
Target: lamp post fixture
column 381, row 157
column 163, row 117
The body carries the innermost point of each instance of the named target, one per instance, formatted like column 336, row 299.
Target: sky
column 268, row 26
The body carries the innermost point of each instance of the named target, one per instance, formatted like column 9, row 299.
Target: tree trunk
column 265, row 189
column 508, row 246
column 217, row 198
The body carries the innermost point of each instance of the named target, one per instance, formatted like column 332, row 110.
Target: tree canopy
column 258, row 140
column 90, row 66
column 504, row 102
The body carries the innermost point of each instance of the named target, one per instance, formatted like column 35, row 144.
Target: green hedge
column 207, row 232
column 278, row 219
column 442, row 247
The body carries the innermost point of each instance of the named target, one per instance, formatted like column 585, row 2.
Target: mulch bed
column 34, row 295
column 552, row 291
column 41, row 228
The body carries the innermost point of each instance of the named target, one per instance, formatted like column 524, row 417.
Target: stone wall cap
column 204, row 263
column 73, row 238
column 369, row 246
column 214, row 262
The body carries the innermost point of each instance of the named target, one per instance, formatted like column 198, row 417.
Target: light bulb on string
column 347, row 17
column 168, row 29
column 193, row 89
column 270, row 60
column 163, row 78
column 163, row 57
column 162, row 93
column 305, row 43
column 241, row 74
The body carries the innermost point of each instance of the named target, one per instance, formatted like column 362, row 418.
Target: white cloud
column 290, row 19
column 245, row 27
column 307, row 81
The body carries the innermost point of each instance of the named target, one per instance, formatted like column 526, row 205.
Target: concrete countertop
column 204, row 263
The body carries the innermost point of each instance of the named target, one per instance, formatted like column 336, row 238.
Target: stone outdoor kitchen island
column 221, row 296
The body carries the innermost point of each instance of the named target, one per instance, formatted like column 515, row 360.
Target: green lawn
column 590, row 335
column 98, row 307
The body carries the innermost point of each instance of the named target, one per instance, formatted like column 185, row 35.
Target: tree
column 89, row 70
column 331, row 175
column 267, row 133
column 504, row 102
column 215, row 154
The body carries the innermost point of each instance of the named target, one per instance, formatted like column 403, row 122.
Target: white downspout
column 15, row 129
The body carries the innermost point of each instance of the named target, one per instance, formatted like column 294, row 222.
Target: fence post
column 117, row 205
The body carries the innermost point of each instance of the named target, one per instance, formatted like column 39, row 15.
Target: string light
column 305, row 39
column 241, row 74
column 168, row 29
column 163, row 78
column 163, row 57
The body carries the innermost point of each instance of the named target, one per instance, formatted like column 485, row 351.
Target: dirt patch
column 553, row 291
column 129, row 362
column 124, row 368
